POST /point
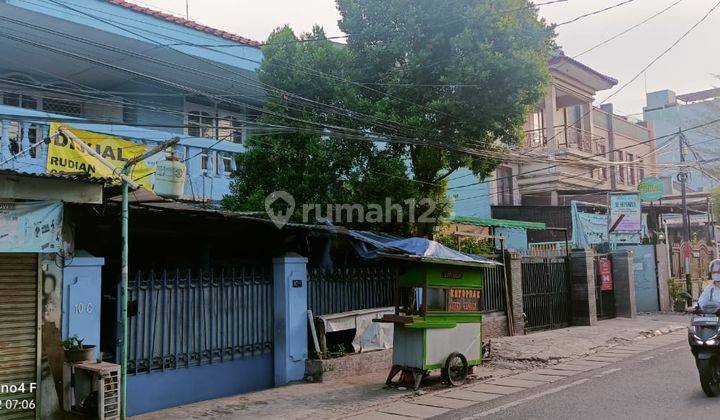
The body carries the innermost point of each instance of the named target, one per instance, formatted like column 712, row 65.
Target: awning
column 503, row 223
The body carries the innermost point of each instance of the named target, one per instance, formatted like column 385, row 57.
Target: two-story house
column 574, row 150
column 113, row 67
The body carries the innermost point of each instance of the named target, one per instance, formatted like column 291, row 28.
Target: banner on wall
column 592, row 229
column 31, row 226
column 65, row 157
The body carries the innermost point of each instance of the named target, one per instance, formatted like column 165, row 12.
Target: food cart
column 437, row 320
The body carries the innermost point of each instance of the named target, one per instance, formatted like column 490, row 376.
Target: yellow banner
column 65, row 157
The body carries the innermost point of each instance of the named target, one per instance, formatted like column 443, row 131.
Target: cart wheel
column 456, row 369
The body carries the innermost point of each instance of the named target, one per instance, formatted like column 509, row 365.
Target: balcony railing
column 208, row 171
column 566, row 137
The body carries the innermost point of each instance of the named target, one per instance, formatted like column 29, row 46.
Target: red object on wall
column 605, row 274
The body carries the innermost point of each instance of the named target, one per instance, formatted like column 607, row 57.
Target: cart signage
column 464, row 300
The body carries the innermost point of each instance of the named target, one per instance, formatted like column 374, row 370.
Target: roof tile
column 185, row 22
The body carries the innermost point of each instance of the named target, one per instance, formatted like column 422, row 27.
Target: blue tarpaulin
column 375, row 246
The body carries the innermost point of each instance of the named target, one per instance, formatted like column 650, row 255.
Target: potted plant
column 676, row 287
column 76, row 351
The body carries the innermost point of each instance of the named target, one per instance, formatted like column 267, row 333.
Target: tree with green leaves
column 447, row 76
column 293, row 152
column 460, row 73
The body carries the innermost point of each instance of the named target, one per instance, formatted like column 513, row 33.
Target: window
column 204, row 160
column 603, row 154
column 536, row 136
column 641, row 171
column 227, row 163
column 62, row 106
column 200, row 124
column 23, row 101
column 505, row 186
column 232, row 129
column 436, row 299
column 631, row 169
column 620, row 168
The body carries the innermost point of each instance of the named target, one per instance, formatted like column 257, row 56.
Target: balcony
column 567, row 138
column 209, row 163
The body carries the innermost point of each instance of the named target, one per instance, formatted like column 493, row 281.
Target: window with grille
column 200, row 124
column 20, row 100
column 620, row 168
column 232, row 129
column 603, row 154
column 631, row 169
column 62, row 106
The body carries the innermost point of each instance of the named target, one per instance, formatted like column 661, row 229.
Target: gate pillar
column 582, row 292
column 290, row 317
column 624, row 283
column 514, row 271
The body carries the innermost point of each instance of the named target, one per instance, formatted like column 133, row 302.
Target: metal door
column 646, row 285
column 19, row 352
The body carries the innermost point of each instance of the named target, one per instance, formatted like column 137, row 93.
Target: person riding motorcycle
column 712, row 291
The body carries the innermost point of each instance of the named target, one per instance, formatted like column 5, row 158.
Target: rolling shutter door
column 18, row 334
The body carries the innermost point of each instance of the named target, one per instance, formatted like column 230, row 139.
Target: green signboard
column 650, row 189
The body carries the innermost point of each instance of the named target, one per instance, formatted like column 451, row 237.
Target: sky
column 690, row 66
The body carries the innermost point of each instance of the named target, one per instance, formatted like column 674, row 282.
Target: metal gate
column 198, row 334
column 604, row 299
column 546, row 293
column 19, row 341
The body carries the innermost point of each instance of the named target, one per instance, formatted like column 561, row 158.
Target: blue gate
column 646, row 284
column 198, row 334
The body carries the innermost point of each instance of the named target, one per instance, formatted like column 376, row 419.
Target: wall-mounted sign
column 625, row 213
column 451, row 275
column 464, row 300
column 605, row 274
column 651, row 189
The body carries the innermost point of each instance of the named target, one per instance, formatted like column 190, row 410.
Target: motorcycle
column 704, row 339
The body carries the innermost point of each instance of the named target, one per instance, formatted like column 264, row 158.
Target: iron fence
column 195, row 317
column 350, row 288
column 493, row 294
column 546, row 293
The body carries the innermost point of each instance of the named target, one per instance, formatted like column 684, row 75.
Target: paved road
column 649, row 382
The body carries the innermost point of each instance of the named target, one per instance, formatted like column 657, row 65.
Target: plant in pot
column 676, row 287
column 76, row 351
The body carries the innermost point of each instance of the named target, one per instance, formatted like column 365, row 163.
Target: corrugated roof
column 76, row 177
column 512, row 224
column 185, row 22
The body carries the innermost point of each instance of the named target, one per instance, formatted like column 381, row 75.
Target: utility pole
column 127, row 182
column 682, row 177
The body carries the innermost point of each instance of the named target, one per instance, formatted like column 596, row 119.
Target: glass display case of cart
column 438, row 323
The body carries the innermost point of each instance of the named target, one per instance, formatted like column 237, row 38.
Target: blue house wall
column 108, row 24
column 471, row 197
